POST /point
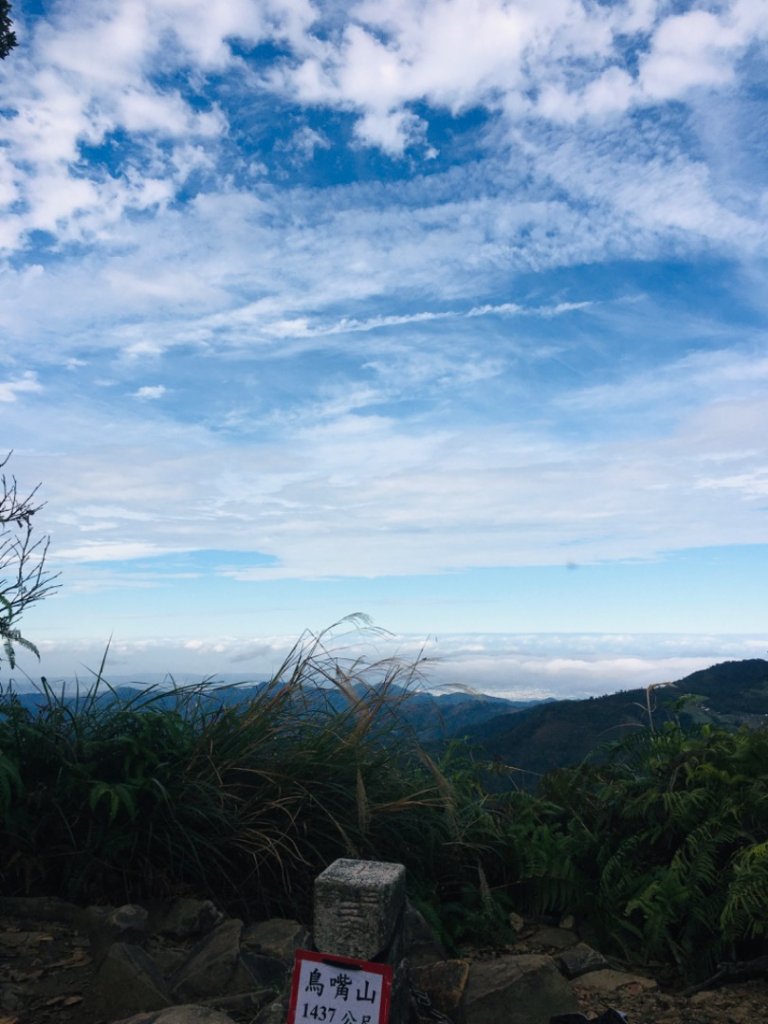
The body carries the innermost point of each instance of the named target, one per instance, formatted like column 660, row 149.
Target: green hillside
column 555, row 735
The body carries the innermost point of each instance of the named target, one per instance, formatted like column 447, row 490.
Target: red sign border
column 385, row 970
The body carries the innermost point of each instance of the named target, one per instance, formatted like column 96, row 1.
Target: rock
column 11, row 999
column 250, row 1002
column 168, row 958
column 127, row 981
column 129, row 918
column 186, row 1014
column 553, row 938
column 257, row 977
column 526, row 989
column 188, row 917
column 278, row 937
column 702, row 998
column 608, row 982
column 444, row 983
column 42, row 908
column 516, row 922
column 264, row 971
column 422, row 945
column 106, row 925
column 274, row 1013
column 580, row 959
column 209, row 968
column 23, row 940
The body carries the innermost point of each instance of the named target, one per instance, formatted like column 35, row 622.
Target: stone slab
column 210, row 964
column 444, row 983
column 581, row 959
column 526, row 989
column 186, row 1014
column 127, row 981
column 608, row 981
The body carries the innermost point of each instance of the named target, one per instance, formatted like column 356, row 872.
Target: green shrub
column 668, row 841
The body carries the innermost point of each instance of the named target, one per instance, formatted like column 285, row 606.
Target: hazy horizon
column 515, row 666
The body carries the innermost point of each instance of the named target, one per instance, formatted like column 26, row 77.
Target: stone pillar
column 359, row 909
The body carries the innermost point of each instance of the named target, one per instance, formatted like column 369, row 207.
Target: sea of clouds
column 517, row 666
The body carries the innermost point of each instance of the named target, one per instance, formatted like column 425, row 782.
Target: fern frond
column 744, row 913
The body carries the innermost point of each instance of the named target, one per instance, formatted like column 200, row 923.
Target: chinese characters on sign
column 338, row 990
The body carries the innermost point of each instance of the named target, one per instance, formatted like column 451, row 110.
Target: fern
column 669, row 833
column 745, row 914
column 10, row 781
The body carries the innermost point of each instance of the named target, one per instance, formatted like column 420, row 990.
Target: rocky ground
column 646, row 998
column 56, row 965
column 48, row 964
column 745, row 1003
column 44, row 970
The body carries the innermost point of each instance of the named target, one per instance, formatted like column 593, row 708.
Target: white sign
column 332, row 989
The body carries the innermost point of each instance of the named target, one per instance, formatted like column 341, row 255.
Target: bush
column 667, row 842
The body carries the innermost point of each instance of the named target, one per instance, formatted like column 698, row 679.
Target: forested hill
column 564, row 732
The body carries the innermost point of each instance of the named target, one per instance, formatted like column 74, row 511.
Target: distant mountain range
column 536, row 736
column 429, row 717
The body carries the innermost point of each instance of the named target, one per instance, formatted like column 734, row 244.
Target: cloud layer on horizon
column 515, row 666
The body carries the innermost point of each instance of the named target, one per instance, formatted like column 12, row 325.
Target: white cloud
column 752, row 485
column 303, row 143
column 459, row 54
column 613, row 92
column 24, row 385
column 334, row 493
column 151, row 392
column 9, row 188
column 144, row 111
column 392, row 130
column 581, row 665
column 301, row 327
column 516, row 666
column 722, row 378
column 106, row 551
column 95, row 80
column 563, row 61
column 689, row 50
column 445, row 251
column 55, row 198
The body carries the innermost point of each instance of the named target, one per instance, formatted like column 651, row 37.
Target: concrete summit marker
column 357, row 974
column 358, row 909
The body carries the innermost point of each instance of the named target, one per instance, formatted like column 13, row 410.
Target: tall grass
column 106, row 799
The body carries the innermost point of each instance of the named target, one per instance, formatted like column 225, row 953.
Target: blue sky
column 452, row 312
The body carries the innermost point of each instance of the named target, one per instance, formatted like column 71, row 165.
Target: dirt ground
column 45, row 968
column 745, row 1003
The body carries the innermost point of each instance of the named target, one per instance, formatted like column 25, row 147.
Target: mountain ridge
column 561, row 733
